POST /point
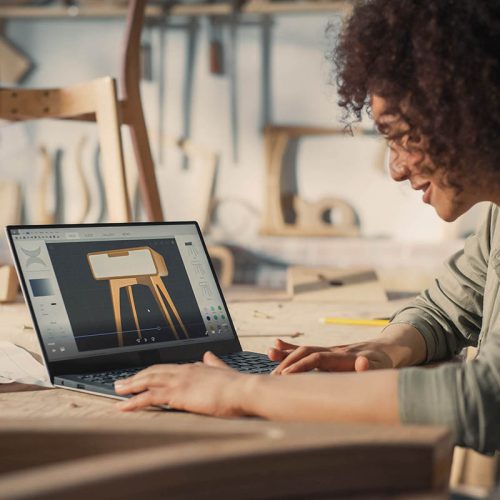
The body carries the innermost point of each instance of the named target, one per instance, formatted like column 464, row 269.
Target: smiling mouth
column 426, row 198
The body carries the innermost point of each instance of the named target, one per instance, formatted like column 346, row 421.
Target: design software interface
column 105, row 290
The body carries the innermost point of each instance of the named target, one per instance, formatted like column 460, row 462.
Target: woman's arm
column 399, row 345
column 213, row 388
column 369, row 397
column 435, row 326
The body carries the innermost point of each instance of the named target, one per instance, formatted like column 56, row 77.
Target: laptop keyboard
column 246, row 362
column 249, row 362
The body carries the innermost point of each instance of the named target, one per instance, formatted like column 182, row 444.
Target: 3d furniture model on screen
column 127, row 267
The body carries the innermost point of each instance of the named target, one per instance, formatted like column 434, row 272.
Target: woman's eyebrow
column 387, row 118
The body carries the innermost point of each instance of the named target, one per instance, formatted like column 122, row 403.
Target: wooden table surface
column 259, row 317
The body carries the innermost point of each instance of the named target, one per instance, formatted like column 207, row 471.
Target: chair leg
column 112, row 151
column 150, row 195
column 161, row 286
column 156, row 294
column 115, row 299
column 132, row 113
column 134, row 311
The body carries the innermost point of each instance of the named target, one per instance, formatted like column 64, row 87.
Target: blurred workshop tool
column 232, row 69
column 187, row 97
column 266, row 111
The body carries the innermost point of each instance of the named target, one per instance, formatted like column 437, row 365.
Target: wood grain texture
column 100, row 9
column 60, row 444
column 186, row 456
column 97, row 97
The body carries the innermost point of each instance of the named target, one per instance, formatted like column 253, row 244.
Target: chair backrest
column 98, row 101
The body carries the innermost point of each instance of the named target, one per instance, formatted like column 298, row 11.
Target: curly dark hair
column 437, row 65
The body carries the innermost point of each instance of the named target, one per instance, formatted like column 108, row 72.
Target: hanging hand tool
column 216, row 48
column 161, row 68
column 146, row 56
column 187, row 98
column 266, row 111
column 231, row 58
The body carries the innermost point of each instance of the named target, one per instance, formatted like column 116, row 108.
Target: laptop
column 108, row 300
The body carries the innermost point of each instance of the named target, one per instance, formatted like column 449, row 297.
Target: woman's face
column 405, row 165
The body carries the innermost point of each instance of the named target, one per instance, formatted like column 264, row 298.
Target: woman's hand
column 210, row 387
column 353, row 357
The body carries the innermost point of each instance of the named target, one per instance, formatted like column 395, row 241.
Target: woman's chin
column 449, row 213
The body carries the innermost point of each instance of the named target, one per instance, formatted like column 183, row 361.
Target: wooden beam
column 153, row 11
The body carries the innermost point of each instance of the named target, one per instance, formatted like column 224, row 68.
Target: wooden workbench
column 60, row 444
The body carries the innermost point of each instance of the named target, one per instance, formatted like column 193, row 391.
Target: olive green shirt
column 461, row 308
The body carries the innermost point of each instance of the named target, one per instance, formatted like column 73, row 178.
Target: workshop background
column 217, row 82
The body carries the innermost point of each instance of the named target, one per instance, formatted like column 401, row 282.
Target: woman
column 429, row 73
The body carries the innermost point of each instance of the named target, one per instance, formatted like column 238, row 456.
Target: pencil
column 354, row 321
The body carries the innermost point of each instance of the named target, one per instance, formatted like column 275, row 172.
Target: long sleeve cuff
column 450, row 395
column 428, row 396
column 423, row 323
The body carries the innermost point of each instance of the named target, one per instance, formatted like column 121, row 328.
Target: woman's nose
column 397, row 167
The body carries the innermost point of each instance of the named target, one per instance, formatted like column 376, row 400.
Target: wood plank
column 186, row 456
column 217, row 9
column 318, row 284
column 85, row 448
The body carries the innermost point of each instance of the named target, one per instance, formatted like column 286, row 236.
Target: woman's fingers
column 277, row 354
column 280, row 350
column 361, row 364
column 143, row 400
column 324, row 361
column 141, row 382
column 294, row 356
column 281, row 344
column 210, row 359
column 159, row 375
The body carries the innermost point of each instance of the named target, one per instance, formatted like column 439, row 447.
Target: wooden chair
column 98, row 101
column 96, row 98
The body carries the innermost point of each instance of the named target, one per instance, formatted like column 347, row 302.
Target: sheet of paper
column 18, row 365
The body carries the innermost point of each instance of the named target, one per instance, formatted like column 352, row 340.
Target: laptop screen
column 99, row 290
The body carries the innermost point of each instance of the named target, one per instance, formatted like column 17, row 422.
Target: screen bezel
column 166, row 354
